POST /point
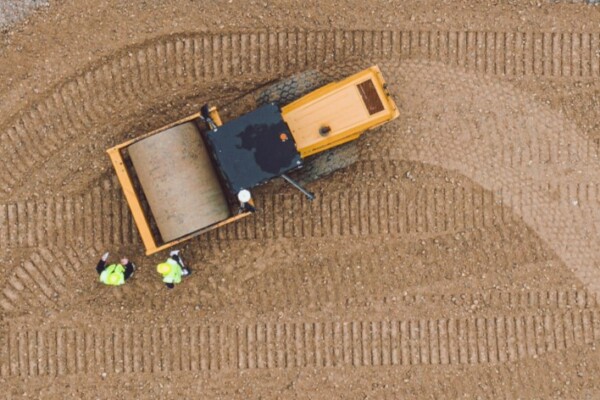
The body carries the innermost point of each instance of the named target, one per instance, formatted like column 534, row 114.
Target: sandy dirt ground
column 457, row 257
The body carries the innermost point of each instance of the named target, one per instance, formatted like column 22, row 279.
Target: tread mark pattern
column 47, row 281
column 572, row 233
column 66, row 220
column 44, row 280
column 36, row 131
column 446, row 341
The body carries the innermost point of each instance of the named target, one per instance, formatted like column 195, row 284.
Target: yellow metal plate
column 340, row 107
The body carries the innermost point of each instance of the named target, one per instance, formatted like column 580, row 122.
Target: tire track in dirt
column 310, row 273
column 52, row 279
column 353, row 271
column 25, row 353
column 349, row 275
column 102, row 217
column 151, row 69
column 46, row 280
column 105, row 219
column 301, row 344
column 358, row 283
column 475, row 150
column 574, row 1
column 483, row 230
column 557, row 375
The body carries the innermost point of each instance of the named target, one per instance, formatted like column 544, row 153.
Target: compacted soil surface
column 456, row 256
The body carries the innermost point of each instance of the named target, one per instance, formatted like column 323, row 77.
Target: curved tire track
column 93, row 97
column 349, row 275
column 475, row 149
column 311, row 344
column 45, row 281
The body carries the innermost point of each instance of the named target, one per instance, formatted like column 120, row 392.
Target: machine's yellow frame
column 321, row 105
column 139, row 216
column 302, row 116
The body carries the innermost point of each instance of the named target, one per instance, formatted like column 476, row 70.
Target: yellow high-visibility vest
column 174, row 275
column 113, row 275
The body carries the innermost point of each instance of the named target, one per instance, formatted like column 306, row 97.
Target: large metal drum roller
column 179, row 181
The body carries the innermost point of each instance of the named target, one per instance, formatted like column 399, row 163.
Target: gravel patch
column 13, row 11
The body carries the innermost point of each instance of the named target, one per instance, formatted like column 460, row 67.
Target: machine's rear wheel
column 292, row 88
column 327, row 162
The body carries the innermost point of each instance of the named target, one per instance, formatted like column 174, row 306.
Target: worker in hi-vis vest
column 114, row 274
column 173, row 269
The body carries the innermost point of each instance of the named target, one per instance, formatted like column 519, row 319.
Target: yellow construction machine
column 195, row 175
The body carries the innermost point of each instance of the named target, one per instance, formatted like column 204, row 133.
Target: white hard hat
column 244, row 196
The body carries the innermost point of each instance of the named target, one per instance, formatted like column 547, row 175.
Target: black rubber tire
column 327, row 162
column 292, row 88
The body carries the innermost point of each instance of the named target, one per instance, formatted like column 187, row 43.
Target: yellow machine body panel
column 327, row 117
column 339, row 112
